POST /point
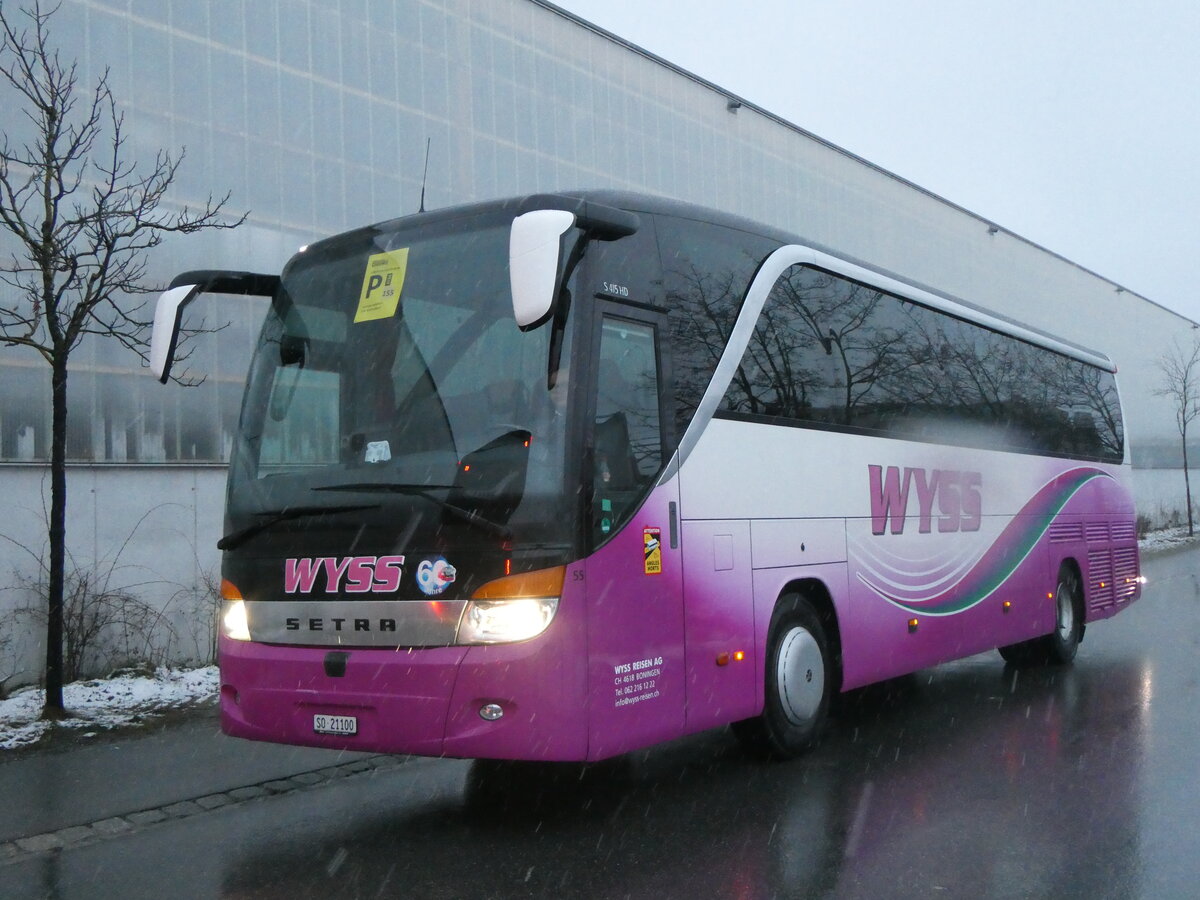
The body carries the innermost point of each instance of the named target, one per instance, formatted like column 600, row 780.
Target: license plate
column 335, row 724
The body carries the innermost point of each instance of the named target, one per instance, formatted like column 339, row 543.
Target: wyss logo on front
column 957, row 494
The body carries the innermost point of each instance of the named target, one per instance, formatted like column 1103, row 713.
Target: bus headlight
column 234, row 622
column 504, row 621
column 512, row 608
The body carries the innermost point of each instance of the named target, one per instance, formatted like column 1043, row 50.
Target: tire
column 1058, row 648
column 799, row 684
column 1018, row 654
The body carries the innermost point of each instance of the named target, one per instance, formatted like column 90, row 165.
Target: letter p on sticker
column 383, row 270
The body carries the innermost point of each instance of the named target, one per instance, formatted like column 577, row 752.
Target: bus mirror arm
column 562, row 307
column 184, row 288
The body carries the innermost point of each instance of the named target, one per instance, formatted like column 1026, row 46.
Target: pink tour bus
column 563, row 476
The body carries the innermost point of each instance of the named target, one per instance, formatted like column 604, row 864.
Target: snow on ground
column 104, row 703
column 126, row 699
column 1167, row 539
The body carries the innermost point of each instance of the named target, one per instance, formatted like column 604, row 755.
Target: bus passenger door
column 634, row 579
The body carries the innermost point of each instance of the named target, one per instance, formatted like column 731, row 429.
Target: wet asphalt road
column 962, row 781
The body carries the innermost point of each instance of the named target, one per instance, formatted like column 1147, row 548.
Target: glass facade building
column 315, row 116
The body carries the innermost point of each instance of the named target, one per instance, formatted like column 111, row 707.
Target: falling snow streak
column 1005, row 554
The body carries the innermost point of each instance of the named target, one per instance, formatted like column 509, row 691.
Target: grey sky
column 1074, row 124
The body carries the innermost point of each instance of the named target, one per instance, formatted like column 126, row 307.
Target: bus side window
column 627, row 435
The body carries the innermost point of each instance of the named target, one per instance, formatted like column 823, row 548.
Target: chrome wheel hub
column 800, row 676
column 1066, row 614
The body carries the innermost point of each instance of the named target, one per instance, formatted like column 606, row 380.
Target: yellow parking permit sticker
column 652, row 547
column 381, row 285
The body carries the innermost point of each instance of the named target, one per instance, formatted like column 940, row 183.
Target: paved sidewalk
column 182, row 761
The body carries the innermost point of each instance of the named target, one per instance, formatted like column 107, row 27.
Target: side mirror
column 168, row 317
column 534, row 263
column 168, row 313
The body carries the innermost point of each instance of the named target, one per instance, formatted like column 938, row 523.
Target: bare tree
column 1180, row 367
column 83, row 218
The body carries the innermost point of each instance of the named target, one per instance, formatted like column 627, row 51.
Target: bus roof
column 653, row 204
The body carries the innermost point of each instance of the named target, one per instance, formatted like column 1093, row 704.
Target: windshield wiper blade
column 423, row 490
column 237, row 538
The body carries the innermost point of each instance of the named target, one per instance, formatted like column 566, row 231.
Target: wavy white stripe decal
column 1002, row 557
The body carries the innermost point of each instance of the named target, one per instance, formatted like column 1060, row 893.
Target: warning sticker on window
column 381, row 285
column 652, row 545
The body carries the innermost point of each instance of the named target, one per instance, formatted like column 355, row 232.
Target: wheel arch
column 1072, row 564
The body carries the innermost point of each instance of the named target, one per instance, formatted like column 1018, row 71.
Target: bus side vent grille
column 1097, row 531
column 1100, row 579
column 1125, row 572
column 1122, row 531
column 1062, row 532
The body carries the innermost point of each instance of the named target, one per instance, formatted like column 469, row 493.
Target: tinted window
column 706, row 272
column 627, row 437
column 833, row 353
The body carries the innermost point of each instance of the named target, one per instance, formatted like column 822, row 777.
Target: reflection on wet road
column 966, row 780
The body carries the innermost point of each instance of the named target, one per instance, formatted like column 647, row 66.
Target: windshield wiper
column 237, row 538
column 417, row 490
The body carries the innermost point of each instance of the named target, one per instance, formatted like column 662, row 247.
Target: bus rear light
column 913, row 625
column 1006, row 606
column 722, row 659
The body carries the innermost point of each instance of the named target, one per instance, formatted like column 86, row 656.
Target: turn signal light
column 541, row 583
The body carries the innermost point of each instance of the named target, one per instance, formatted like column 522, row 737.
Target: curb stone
column 115, row 826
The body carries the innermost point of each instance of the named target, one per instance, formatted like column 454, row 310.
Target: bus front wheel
column 799, row 682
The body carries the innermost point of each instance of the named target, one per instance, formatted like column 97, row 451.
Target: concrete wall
column 149, row 530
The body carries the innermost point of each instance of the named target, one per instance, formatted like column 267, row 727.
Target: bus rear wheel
column 799, row 683
column 1058, row 648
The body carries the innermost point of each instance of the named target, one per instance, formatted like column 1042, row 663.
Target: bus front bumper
column 427, row 702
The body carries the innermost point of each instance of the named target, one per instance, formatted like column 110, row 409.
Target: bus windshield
column 390, row 365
